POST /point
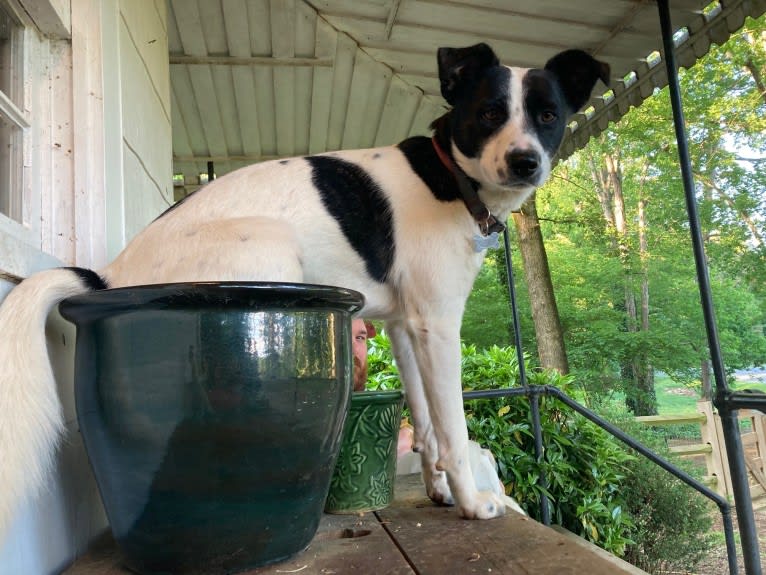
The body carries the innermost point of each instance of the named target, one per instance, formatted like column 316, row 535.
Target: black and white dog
column 406, row 225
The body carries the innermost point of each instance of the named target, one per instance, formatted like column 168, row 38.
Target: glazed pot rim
column 237, row 295
column 377, row 396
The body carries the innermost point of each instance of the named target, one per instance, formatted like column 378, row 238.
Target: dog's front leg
column 434, row 479
column 435, row 341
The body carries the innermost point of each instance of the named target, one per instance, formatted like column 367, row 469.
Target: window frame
column 12, row 114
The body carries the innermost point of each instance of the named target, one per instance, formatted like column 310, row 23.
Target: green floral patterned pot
column 364, row 474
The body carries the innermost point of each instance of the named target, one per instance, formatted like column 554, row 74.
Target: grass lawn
column 675, row 399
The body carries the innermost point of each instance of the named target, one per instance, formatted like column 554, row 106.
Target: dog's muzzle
column 524, row 166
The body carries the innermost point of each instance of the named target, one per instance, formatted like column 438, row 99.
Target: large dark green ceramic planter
column 212, row 416
column 364, row 475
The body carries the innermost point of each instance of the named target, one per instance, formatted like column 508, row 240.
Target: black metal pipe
column 745, row 400
column 537, row 431
column 732, row 439
column 534, row 391
column 514, row 309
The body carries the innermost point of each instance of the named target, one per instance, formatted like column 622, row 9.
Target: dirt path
column 717, row 562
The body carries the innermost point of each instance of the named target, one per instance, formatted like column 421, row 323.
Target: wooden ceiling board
column 320, row 75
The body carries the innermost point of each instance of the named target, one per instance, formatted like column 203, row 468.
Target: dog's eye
column 493, row 115
column 547, row 117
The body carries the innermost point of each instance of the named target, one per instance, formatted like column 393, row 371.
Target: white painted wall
column 145, row 90
column 98, row 168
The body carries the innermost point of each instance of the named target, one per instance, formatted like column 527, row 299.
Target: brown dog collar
column 488, row 224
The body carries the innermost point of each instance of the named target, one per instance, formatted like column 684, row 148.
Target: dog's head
column 507, row 123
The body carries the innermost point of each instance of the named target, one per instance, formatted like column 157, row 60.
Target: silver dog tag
column 481, row 243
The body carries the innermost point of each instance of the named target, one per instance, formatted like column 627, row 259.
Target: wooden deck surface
column 414, row 536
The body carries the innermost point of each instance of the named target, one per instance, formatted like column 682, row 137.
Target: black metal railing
column 534, row 392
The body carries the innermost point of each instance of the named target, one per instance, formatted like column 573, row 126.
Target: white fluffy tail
column 31, row 420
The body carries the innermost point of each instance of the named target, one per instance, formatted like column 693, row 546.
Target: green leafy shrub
column 671, row 521
column 382, row 373
column 583, row 466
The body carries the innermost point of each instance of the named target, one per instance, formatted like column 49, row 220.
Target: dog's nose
column 523, row 163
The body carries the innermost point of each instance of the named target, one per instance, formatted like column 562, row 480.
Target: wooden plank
column 716, row 462
column 184, row 108
column 688, row 450
column 259, row 24
column 305, row 44
column 402, row 102
column 756, row 473
column 283, row 46
column 343, row 544
column 671, row 419
column 216, row 42
column 376, row 97
column 438, row 541
column 343, row 70
column 429, row 84
column 406, row 62
column 235, row 61
column 365, row 70
column 189, row 21
column 223, row 82
column 88, row 150
column 62, row 206
column 429, row 109
column 414, row 536
column 326, row 42
column 619, row 564
column 758, row 421
column 213, row 28
column 238, row 37
column 204, row 90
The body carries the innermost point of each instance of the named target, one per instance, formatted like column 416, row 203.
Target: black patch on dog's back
column 358, row 204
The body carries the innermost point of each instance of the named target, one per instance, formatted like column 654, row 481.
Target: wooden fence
column 713, row 448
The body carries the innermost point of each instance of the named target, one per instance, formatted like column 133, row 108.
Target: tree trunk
column 545, row 314
column 707, row 386
column 643, row 371
column 636, row 370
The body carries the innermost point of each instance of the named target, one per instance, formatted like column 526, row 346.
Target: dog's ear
column 577, row 73
column 460, row 67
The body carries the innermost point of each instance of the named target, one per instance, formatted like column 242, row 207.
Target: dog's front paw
column 485, row 505
column 437, row 487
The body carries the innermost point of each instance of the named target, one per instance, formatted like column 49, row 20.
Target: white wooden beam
column 283, row 46
column 326, row 42
column 238, row 37
column 305, row 46
column 341, row 88
column 246, row 158
column 391, row 18
column 402, row 102
column 261, row 61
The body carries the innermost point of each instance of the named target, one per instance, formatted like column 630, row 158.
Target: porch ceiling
column 258, row 79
